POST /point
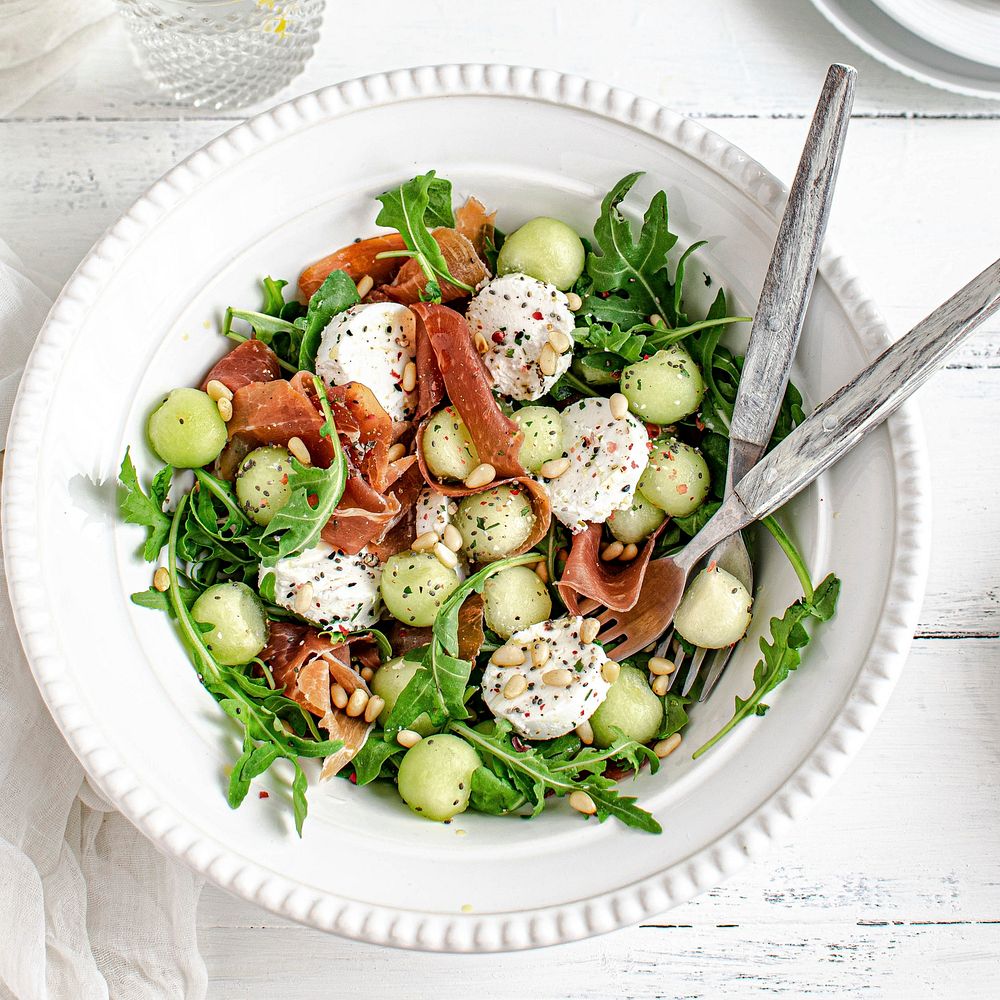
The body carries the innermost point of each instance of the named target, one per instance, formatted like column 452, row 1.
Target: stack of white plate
column 954, row 44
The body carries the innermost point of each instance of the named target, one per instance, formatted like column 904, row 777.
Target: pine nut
column 560, row 342
column 574, row 301
column 408, row 738
column 452, row 537
column 582, row 803
column 373, row 708
column 396, row 452
column 612, row 551
column 517, row 684
column 586, row 733
column 666, row 747
column 367, row 673
column 225, row 409
column 589, row 628
column 650, row 648
column 425, row 542
column 338, row 696
column 657, row 320
column 611, row 670
column 218, row 390
column 161, row 580
column 558, row 678
column 547, row 360
column 303, row 598
column 659, row 666
column 508, row 656
column 299, row 450
column 357, row 702
column 447, row 557
column 365, row 285
column 482, row 344
column 409, row 380
column 542, row 571
column 540, row 653
column 555, row 467
column 629, row 552
column 618, row 404
column 660, row 685
column 482, row 475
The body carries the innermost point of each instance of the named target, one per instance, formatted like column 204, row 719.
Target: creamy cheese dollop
column 543, row 711
column 607, row 456
column 433, row 512
column 342, row 590
column 517, row 314
column 370, row 344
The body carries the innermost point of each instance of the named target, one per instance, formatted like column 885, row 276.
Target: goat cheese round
column 370, row 344
column 433, row 512
column 517, row 316
column 329, row 588
column 607, row 456
column 546, row 706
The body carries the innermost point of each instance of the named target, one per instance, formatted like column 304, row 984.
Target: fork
column 830, row 432
column 774, row 335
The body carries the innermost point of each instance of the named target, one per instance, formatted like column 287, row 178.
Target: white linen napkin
column 89, row 910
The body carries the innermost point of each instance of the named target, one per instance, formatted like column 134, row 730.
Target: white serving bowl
column 140, row 316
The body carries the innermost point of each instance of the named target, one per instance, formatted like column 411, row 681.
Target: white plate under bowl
column 140, row 316
column 969, row 28
column 866, row 24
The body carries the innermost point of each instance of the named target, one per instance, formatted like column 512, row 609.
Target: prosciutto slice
column 464, row 264
column 357, row 260
column 470, row 631
column 497, row 438
column 306, row 664
column 476, row 224
column 614, row 584
column 251, row 361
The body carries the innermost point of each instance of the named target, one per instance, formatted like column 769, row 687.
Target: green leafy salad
column 382, row 514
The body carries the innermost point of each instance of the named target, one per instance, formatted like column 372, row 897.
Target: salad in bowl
column 410, row 481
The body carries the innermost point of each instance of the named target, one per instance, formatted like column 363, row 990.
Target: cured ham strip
column 306, row 664
column 614, row 584
column 430, row 382
column 464, row 264
column 470, row 631
column 476, row 224
column 372, row 428
column 357, row 260
column 497, row 438
column 272, row 413
column 251, row 361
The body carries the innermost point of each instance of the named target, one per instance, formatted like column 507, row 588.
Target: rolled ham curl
column 614, row 584
column 305, row 664
column 357, row 260
column 251, row 361
column 463, row 263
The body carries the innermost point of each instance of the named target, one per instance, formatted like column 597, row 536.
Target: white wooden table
column 891, row 888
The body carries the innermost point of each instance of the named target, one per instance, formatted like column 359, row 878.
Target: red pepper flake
column 604, row 295
column 515, row 491
column 263, row 795
column 698, row 423
column 284, row 479
column 313, row 500
column 497, row 337
column 711, row 566
column 537, row 315
column 352, row 778
column 652, row 430
column 682, row 489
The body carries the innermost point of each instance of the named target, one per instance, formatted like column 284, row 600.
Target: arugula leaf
column 675, row 716
column 691, row 524
column 274, row 296
column 147, row 510
column 337, row 293
column 405, row 209
column 782, row 654
column 371, row 760
column 159, row 600
column 439, row 211
column 494, row 794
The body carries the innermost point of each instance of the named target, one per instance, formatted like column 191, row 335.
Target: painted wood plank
column 713, row 57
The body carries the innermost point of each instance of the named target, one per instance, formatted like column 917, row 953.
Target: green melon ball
column 663, row 388
column 546, row 249
column 513, row 599
column 435, row 776
column 239, row 625
column 715, row 610
column 631, row 707
column 676, row 479
column 495, row 523
column 543, row 435
column 388, row 684
column 186, row 429
column 447, row 446
column 262, row 483
column 414, row 585
column 636, row 522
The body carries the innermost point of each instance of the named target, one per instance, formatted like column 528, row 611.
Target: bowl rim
column 377, row 924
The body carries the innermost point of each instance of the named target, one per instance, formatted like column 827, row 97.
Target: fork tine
column 715, row 672
column 678, row 658
column 693, row 670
